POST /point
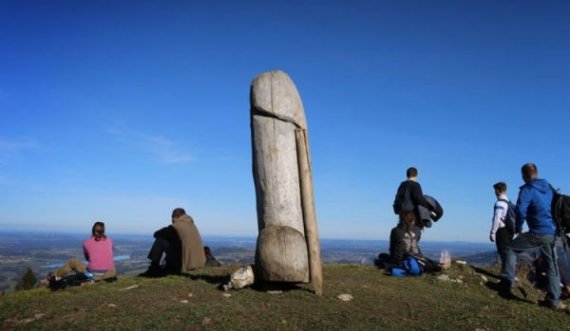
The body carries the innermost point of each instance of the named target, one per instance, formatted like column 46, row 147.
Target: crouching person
column 405, row 238
column 406, row 257
column 181, row 245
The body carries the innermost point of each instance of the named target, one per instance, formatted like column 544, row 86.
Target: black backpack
column 75, row 279
column 561, row 211
column 511, row 216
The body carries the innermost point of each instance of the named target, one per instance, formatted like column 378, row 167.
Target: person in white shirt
column 500, row 235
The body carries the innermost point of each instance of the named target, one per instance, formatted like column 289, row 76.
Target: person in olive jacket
column 181, row 244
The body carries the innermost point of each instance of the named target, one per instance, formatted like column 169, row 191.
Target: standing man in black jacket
column 410, row 195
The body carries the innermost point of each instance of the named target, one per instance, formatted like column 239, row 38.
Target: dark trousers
column 503, row 238
column 159, row 247
column 171, row 252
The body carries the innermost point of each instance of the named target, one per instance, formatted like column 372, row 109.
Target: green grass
column 380, row 303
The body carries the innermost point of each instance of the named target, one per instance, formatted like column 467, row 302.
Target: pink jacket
column 99, row 254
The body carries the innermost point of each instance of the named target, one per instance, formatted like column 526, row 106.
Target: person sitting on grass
column 405, row 238
column 181, row 245
column 98, row 251
column 404, row 244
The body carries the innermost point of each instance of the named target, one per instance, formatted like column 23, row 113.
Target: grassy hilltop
column 193, row 303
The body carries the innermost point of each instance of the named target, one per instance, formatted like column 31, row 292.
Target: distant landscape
column 45, row 252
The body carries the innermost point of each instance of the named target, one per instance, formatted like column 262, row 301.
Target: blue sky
column 122, row 110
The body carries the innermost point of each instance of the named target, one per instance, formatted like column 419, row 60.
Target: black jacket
column 416, row 195
column 402, row 241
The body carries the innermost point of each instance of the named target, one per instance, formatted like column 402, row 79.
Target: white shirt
column 499, row 214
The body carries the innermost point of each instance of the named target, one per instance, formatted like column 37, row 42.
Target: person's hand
column 492, row 238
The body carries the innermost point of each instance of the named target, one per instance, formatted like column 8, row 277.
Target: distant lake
column 60, row 263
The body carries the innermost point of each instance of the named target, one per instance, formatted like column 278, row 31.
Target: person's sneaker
column 88, row 275
column 559, row 307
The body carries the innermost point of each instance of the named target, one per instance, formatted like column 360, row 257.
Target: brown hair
column 412, row 172
column 501, row 187
column 178, row 212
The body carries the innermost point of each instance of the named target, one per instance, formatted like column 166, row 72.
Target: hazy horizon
column 252, row 237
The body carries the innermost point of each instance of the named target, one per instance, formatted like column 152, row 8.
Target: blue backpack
column 412, row 266
column 511, row 217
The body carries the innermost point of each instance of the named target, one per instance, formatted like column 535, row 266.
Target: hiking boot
column 560, row 306
column 153, row 272
column 505, row 290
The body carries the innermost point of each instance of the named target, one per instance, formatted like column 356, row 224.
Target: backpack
column 511, row 217
column 403, row 201
column 75, row 279
column 412, row 266
column 561, row 211
column 240, row 278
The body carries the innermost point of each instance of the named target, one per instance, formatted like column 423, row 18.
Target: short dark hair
column 178, row 212
column 529, row 170
column 412, row 172
column 500, row 186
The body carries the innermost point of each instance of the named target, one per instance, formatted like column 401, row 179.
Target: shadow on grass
column 211, row 279
column 220, row 277
column 278, row 286
column 499, row 288
column 485, row 272
column 506, row 294
column 220, row 280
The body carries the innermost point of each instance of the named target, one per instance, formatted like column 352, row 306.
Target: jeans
column 528, row 241
column 563, row 254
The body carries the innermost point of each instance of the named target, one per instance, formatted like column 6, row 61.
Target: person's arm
column 498, row 215
column 418, row 196
column 397, row 199
column 167, row 233
column 523, row 203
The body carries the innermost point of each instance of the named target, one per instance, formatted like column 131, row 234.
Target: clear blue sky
column 122, row 110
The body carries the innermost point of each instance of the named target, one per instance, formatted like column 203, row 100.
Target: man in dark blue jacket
column 534, row 206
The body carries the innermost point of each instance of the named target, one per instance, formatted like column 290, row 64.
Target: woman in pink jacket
column 98, row 251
